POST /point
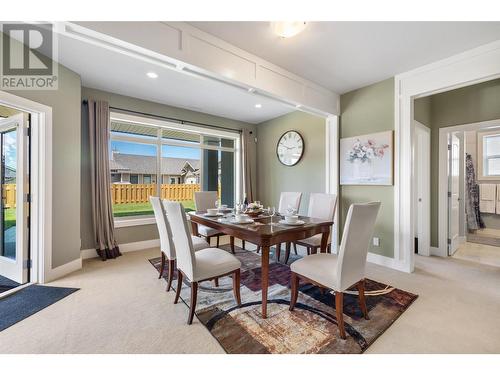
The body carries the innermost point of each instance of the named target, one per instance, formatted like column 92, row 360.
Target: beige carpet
column 122, row 308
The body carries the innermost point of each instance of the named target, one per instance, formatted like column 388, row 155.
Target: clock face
column 290, row 148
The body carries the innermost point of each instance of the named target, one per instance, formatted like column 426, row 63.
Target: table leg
column 265, row 279
column 324, row 241
column 194, row 228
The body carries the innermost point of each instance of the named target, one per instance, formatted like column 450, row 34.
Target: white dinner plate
column 298, row 222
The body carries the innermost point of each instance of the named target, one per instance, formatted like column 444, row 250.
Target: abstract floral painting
column 367, row 159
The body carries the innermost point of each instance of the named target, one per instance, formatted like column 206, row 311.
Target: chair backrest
column 204, row 200
column 182, row 237
column 166, row 243
column 322, row 206
column 358, row 232
column 289, row 199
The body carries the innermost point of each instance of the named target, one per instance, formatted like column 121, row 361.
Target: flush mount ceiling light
column 152, row 75
column 288, row 29
column 258, row 105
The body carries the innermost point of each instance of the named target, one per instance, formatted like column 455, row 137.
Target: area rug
column 28, row 301
column 7, row 284
column 310, row 328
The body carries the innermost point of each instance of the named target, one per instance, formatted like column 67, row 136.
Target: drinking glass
column 217, row 203
column 272, row 212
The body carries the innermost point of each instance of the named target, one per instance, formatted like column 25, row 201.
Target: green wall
column 143, row 232
column 364, row 111
column 466, row 105
column 307, row 176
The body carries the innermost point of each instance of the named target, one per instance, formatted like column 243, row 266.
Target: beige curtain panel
column 246, row 139
column 100, row 179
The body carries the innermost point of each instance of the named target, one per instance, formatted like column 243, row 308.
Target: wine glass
column 272, row 212
column 217, row 203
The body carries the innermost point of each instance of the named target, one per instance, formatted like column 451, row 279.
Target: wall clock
column 290, row 148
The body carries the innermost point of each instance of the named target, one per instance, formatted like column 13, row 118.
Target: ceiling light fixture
column 152, row 75
column 251, row 89
column 258, row 105
column 288, row 29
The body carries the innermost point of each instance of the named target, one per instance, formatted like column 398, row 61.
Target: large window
column 183, row 159
column 489, row 155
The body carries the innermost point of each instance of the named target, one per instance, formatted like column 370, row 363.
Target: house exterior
column 140, row 169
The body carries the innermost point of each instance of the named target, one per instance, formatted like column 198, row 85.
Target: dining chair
column 321, row 206
column 288, row 200
column 338, row 273
column 204, row 200
column 206, row 264
column 166, row 244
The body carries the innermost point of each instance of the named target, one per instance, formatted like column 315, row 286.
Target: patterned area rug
column 310, row 328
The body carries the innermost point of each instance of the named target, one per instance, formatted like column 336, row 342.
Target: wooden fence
column 140, row 193
column 9, row 193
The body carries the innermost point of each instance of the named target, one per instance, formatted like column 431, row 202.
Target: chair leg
column 278, row 252
column 329, row 248
column 231, row 242
column 295, row 248
column 339, row 308
column 216, row 282
column 362, row 299
column 308, row 250
column 295, row 290
column 162, row 267
column 236, row 286
column 243, row 244
column 179, row 286
column 287, row 252
column 194, row 296
column 258, row 249
column 218, row 238
column 171, row 267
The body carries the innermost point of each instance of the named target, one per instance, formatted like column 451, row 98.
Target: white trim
column 41, row 183
column 65, row 269
column 14, row 290
column 123, row 223
column 467, row 68
column 435, row 251
column 382, row 260
column 332, row 171
column 480, row 153
column 124, row 248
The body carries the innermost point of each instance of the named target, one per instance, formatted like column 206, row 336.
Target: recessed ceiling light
column 288, row 29
column 258, row 105
column 152, row 75
column 251, row 89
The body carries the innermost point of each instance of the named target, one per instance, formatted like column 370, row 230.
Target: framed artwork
column 367, row 159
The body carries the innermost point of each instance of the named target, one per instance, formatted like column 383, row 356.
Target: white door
column 454, row 194
column 422, row 163
column 14, row 206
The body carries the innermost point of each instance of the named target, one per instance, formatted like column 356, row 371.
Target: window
column 191, row 159
column 115, row 178
column 489, row 155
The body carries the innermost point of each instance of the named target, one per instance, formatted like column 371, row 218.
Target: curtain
column 474, row 220
column 100, row 179
column 246, row 165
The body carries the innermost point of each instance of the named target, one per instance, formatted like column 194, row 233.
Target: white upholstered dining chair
column 206, row 264
column 321, row 206
column 204, row 200
column 167, row 246
column 345, row 270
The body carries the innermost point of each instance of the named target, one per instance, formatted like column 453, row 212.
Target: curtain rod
column 172, row 119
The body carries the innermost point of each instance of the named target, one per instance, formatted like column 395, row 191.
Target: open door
column 422, row 165
column 453, row 194
column 14, row 206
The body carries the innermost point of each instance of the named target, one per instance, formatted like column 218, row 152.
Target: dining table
column 265, row 231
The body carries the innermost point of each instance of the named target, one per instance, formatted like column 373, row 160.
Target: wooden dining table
column 265, row 235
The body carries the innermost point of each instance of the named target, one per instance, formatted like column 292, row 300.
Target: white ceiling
column 344, row 56
column 108, row 70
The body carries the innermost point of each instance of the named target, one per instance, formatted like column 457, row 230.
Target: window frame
column 159, row 142
column 481, row 165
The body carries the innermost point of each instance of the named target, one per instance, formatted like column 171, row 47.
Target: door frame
column 426, row 196
column 468, row 68
column 41, row 183
column 442, row 249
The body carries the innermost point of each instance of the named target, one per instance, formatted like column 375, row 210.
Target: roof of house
column 147, row 164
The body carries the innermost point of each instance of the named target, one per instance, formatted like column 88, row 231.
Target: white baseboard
column 382, row 260
column 124, row 248
column 56, row 273
column 436, row 251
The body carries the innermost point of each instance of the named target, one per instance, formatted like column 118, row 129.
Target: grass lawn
column 137, row 209
column 10, row 217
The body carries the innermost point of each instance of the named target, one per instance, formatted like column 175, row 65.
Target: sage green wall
column 466, row 105
column 143, row 232
column 65, row 104
column 307, row 176
column 364, row 111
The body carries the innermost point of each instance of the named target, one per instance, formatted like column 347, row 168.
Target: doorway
column 15, row 198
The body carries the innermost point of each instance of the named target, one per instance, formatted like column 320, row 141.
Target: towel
column 487, row 198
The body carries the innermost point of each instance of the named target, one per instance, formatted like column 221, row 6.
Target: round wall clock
column 290, row 148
